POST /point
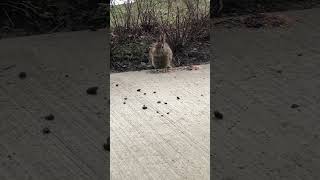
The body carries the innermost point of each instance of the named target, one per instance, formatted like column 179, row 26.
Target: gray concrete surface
column 73, row 149
column 257, row 75
column 147, row 145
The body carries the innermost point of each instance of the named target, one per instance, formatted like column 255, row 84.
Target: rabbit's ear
column 161, row 37
column 164, row 37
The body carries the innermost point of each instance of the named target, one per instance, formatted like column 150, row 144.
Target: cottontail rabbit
column 160, row 54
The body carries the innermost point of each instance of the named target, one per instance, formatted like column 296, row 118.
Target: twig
column 12, row 24
column 56, row 28
column 16, row 7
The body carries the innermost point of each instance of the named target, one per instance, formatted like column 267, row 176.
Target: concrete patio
column 170, row 137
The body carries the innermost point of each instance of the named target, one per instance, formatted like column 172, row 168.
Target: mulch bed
column 232, row 8
column 260, row 20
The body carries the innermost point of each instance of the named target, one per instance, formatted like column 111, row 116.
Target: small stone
column 106, row 146
column 159, row 102
column 168, row 113
column 22, row 75
column 144, row 93
column 92, row 90
column 9, row 157
column 138, row 90
column 46, row 130
column 98, row 113
column 117, row 85
column 125, row 98
column 144, row 107
column 218, row 115
column 154, row 92
column 124, row 102
column 49, row 117
column 178, row 98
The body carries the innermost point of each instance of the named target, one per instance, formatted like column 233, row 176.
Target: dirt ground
column 133, row 56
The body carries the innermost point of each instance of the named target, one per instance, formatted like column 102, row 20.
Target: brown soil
column 260, row 20
column 132, row 54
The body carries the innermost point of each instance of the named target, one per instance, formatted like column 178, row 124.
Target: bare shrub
column 183, row 21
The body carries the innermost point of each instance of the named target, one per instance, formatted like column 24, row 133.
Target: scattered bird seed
column 168, row 113
column 144, row 93
column 138, row 90
column 22, row 75
column 124, row 102
column 46, row 130
column 201, row 94
column 92, row 90
column 158, row 112
column 159, row 102
column 125, row 98
column 178, row 98
column 49, row 117
column 154, row 92
column 144, row 107
column 218, row 115
column 117, row 85
column 66, row 75
column 299, row 54
column 165, row 103
column 161, row 115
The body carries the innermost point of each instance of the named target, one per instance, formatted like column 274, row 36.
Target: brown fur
column 160, row 54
